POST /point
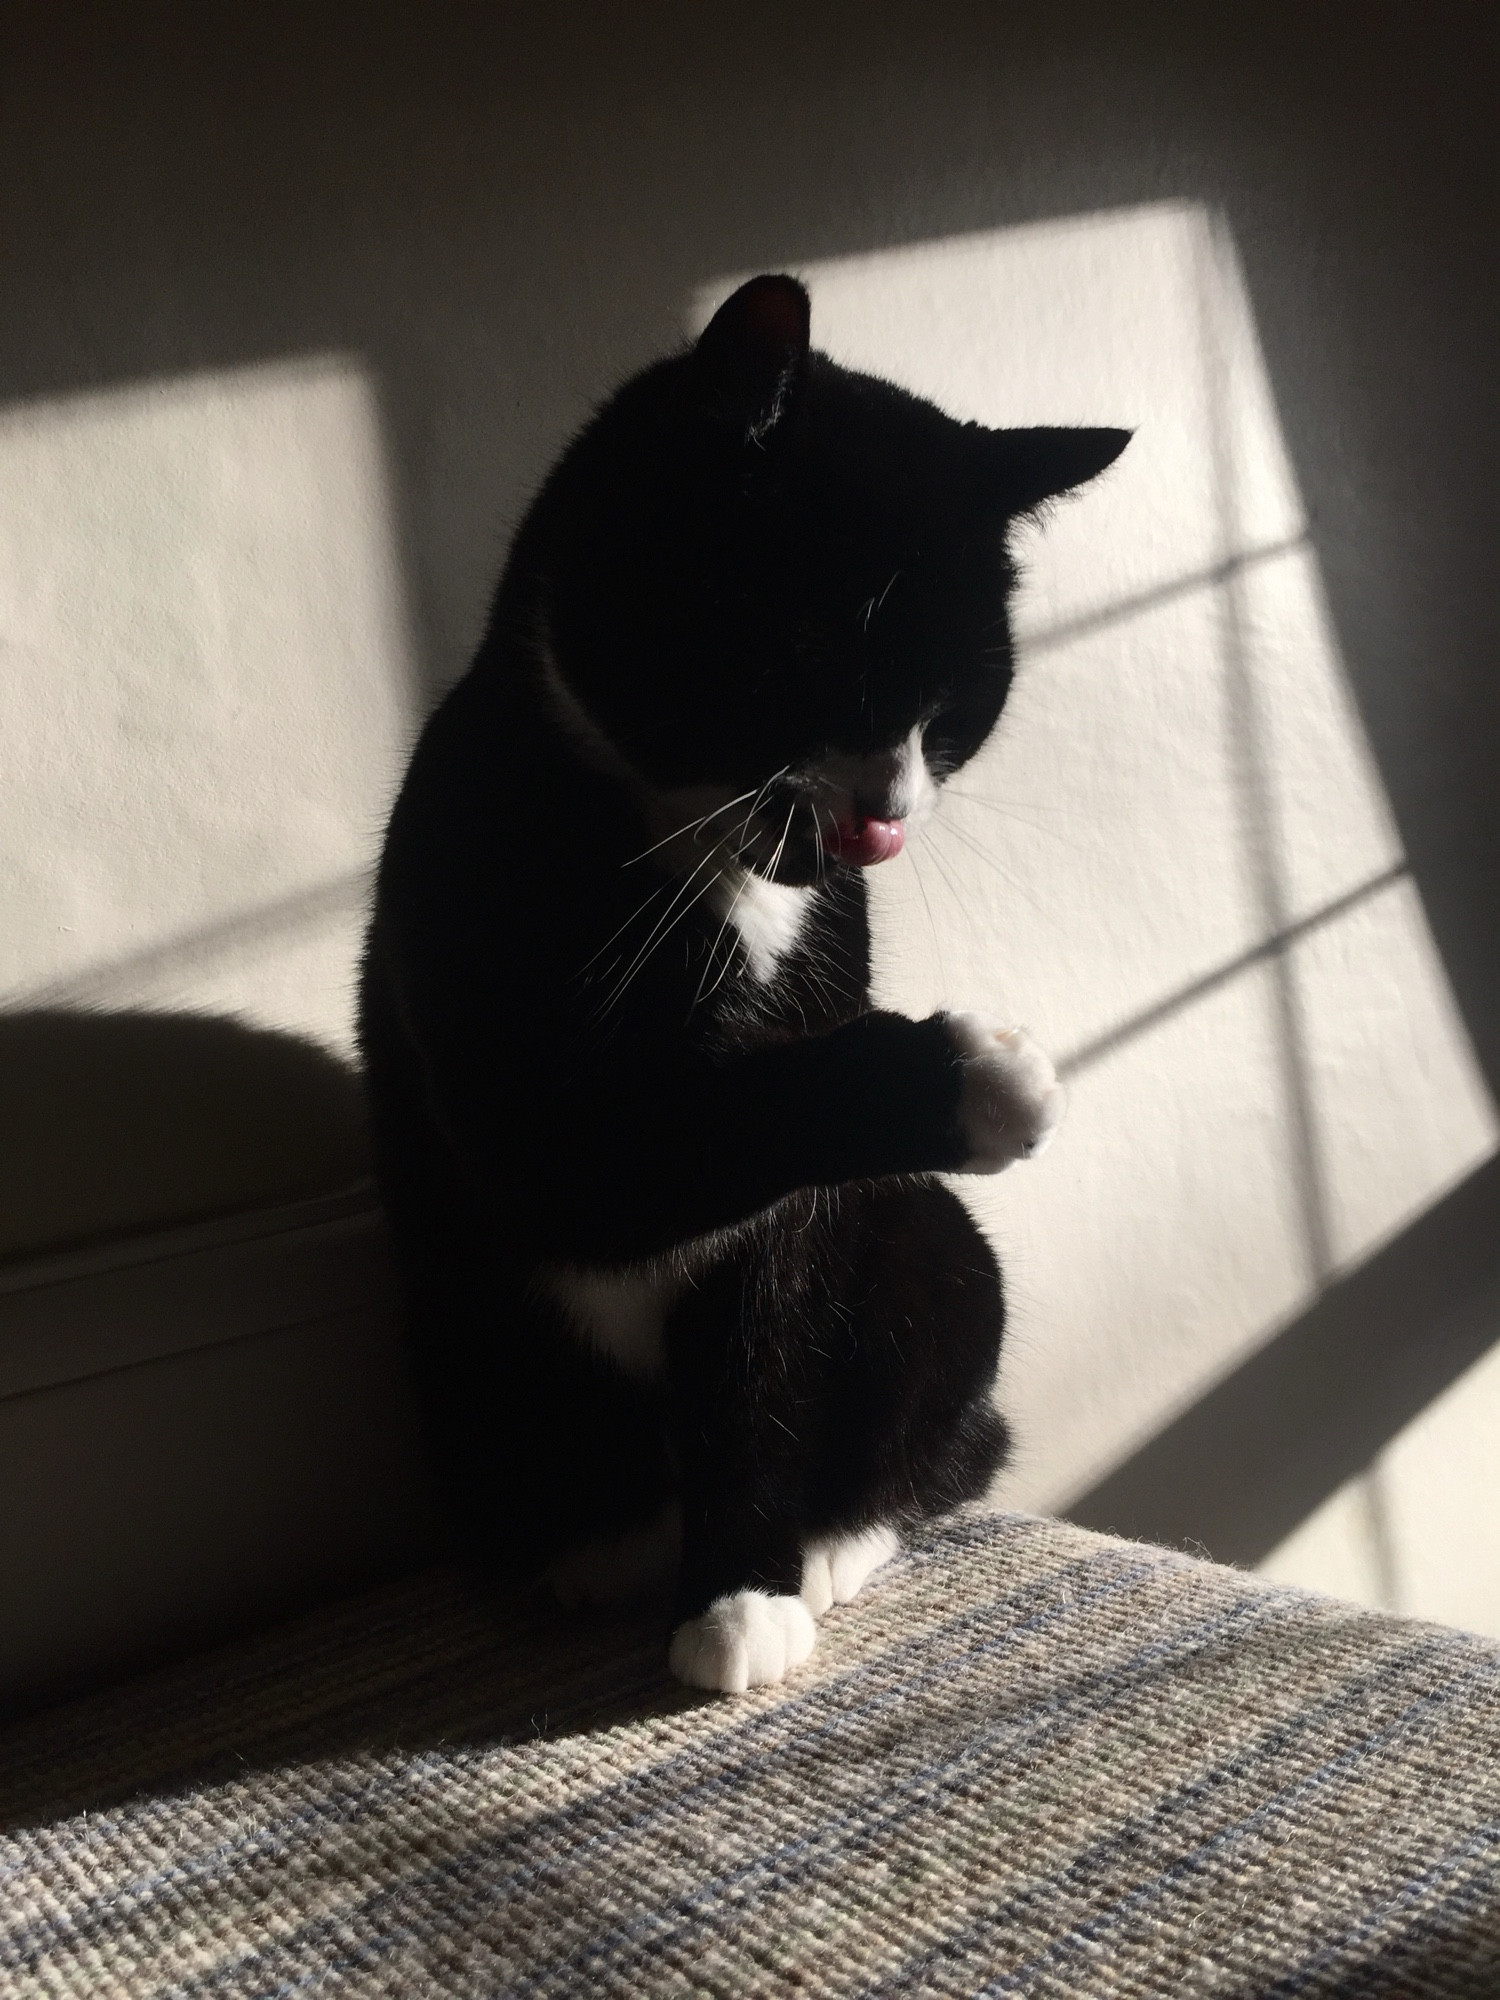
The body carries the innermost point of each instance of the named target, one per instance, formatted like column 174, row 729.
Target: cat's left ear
column 1024, row 468
column 753, row 351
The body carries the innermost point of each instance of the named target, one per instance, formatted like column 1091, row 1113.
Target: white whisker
column 713, row 949
column 690, row 827
column 639, row 910
column 664, row 924
column 937, row 949
column 1010, row 880
column 781, row 844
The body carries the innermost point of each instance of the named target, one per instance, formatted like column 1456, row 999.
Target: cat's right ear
column 752, row 354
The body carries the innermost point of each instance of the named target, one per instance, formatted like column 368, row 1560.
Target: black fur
column 752, row 560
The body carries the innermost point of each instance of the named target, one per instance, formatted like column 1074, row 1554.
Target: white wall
column 306, row 314
column 206, row 665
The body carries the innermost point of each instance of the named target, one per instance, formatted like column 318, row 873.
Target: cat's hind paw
column 836, row 1569
column 743, row 1641
column 1010, row 1101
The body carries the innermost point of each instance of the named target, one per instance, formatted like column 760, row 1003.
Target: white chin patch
column 835, row 1570
column 746, row 1640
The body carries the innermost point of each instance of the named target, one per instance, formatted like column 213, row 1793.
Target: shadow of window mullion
column 202, row 944
column 1250, row 763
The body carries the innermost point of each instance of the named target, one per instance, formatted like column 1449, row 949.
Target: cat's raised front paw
column 747, row 1640
column 1010, row 1101
column 836, row 1570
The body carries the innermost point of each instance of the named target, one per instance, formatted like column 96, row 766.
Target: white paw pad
column 1010, row 1101
column 836, row 1570
column 743, row 1641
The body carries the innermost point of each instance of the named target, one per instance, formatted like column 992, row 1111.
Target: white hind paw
column 1010, row 1101
column 744, row 1641
column 836, row 1570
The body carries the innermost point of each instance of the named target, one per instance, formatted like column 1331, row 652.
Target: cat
column 687, row 1305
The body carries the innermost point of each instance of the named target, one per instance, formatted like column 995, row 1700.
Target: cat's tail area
column 637, row 1562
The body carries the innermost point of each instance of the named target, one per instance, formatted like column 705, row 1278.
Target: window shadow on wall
column 502, row 221
column 1247, row 1462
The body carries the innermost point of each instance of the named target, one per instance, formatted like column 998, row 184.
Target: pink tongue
column 862, row 843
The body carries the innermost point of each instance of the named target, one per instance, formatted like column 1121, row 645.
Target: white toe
column 742, row 1641
column 834, row 1571
column 817, row 1578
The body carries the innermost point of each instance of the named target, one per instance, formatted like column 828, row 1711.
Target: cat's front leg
column 739, row 1397
column 1010, row 1101
column 622, row 1157
column 754, row 1638
column 742, row 1618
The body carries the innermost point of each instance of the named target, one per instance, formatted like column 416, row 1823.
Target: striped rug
column 1033, row 1761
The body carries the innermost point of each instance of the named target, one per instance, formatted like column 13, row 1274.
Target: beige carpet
column 1031, row 1761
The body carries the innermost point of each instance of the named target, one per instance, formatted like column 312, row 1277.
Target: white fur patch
column 836, row 1570
column 749, row 1639
column 768, row 916
column 619, row 1312
column 1011, row 1101
column 915, row 791
column 613, row 1569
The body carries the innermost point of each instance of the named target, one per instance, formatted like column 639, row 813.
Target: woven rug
column 1031, row 1761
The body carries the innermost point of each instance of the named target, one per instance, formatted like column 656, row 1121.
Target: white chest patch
column 768, row 916
column 618, row 1313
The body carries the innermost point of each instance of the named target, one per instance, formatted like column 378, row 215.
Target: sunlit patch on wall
column 1176, row 862
column 1418, row 1532
column 204, row 675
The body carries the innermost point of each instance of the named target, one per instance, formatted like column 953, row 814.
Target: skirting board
column 198, row 1429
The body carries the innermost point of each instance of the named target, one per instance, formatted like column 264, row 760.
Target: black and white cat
column 684, row 1297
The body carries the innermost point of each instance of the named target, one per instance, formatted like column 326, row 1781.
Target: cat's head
column 779, row 589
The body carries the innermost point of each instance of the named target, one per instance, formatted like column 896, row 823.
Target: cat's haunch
column 686, row 1303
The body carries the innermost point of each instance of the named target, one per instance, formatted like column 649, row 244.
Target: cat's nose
column 880, row 791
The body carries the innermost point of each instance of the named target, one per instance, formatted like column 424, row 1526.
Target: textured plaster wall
column 300, row 304
column 205, row 688
column 1177, row 861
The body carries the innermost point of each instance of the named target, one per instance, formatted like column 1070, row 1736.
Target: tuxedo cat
column 685, row 1300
